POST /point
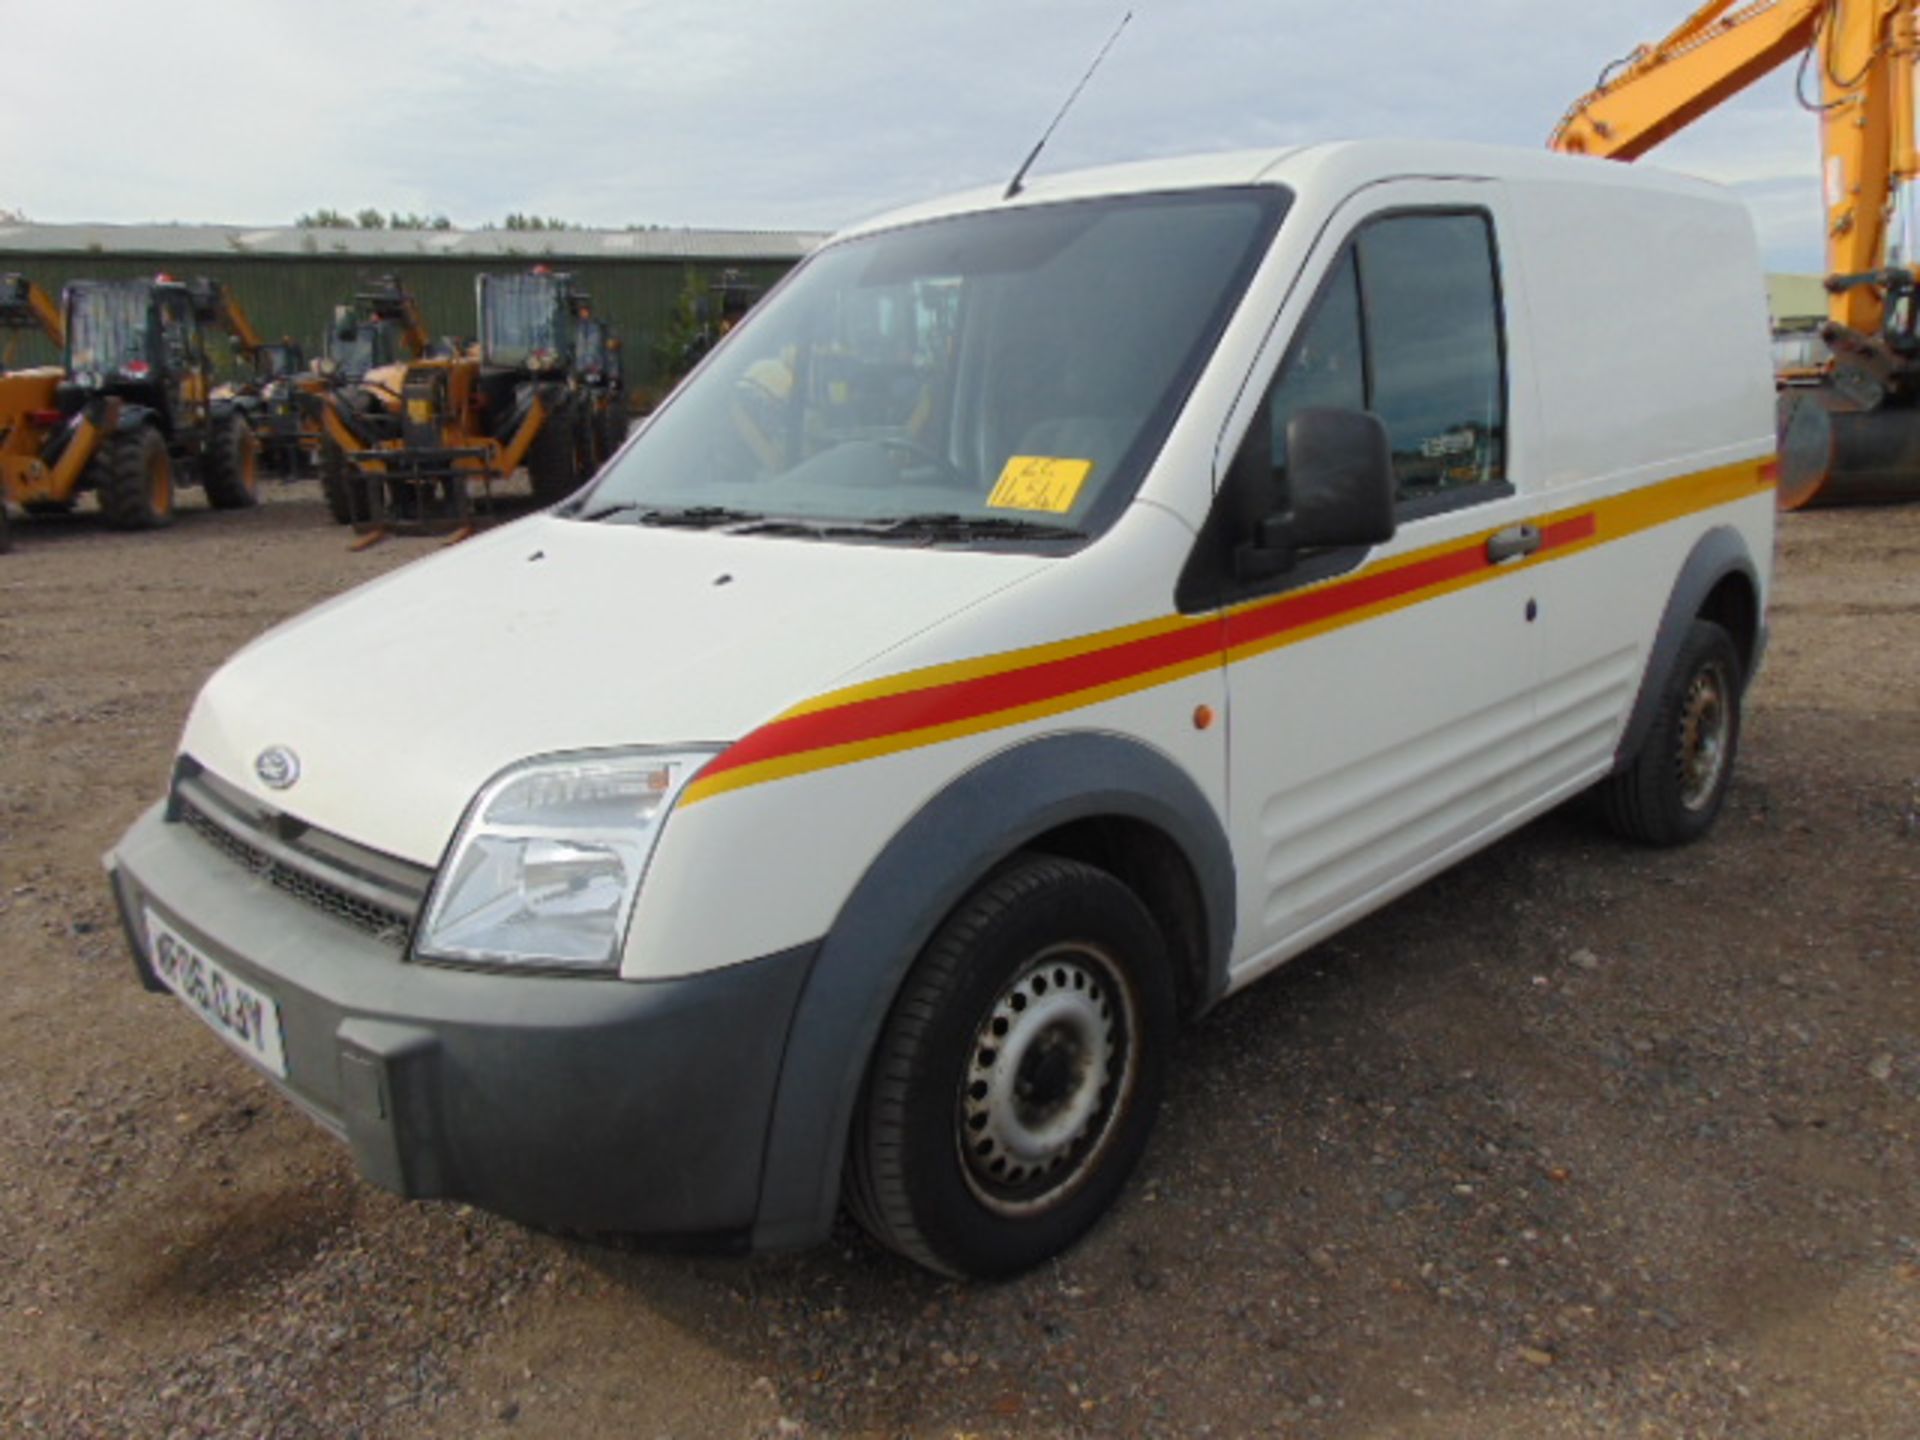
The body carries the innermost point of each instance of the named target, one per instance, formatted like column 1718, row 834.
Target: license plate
column 235, row 1011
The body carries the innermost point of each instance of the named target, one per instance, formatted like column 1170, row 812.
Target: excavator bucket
column 1834, row 456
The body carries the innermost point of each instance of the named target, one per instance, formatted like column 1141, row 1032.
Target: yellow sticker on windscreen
column 1039, row 482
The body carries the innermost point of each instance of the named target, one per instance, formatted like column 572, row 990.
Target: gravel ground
column 1579, row 1140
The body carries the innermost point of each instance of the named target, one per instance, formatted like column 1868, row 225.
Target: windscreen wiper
column 793, row 525
column 604, row 512
column 949, row 525
column 932, row 527
column 694, row 516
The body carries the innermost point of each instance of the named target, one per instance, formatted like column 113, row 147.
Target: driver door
column 1382, row 700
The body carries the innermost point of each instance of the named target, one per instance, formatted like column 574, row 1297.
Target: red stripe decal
column 883, row 715
column 1265, row 621
column 880, row 716
column 1569, row 532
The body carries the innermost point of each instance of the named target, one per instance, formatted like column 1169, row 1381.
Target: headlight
column 548, row 862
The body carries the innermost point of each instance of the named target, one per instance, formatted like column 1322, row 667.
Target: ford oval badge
column 277, row 766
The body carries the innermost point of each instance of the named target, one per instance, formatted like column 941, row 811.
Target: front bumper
column 597, row 1104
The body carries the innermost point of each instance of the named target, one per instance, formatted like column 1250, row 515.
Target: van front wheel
column 1672, row 790
column 1018, row 1074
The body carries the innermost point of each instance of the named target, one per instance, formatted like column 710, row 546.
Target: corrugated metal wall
column 295, row 295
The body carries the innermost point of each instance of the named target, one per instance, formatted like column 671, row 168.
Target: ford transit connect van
column 1040, row 619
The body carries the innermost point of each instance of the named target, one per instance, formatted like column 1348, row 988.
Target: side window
column 1408, row 327
column 1433, row 337
column 1327, row 366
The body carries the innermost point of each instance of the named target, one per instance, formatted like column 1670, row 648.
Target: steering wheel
column 949, row 474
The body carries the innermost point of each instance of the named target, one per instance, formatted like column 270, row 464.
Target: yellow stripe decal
column 967, row 697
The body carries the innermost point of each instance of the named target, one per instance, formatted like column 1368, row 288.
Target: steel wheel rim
column 1049, row 1071
column 1706, row 728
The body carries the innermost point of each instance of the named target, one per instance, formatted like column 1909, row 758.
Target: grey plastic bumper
column 587, row 1103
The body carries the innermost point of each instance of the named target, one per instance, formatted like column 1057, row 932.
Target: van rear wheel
column 1671, row 791
column 1018, row 1074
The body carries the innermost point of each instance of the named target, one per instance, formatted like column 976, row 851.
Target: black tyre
column 230, row 472
column 6, row 529
column 135, row 479
column 552, row 458
column 347, row 500
column 1673, row 788
column 1018, row 1075
column 48, row 507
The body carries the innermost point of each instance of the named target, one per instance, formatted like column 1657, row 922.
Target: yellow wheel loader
column 129, row 412
column 379, row 326
column 406, row 445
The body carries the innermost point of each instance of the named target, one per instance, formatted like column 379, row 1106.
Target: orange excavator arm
column 1664, row 87
column 1864, row 52
column 389, row 300
column 413, row 332
column 214, row 303
column 24, row 305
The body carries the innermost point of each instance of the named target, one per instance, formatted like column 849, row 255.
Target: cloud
column 787, row 115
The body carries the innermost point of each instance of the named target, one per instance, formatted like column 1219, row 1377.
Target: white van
column 1041, row 618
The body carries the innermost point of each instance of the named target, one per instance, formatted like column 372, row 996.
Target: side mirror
column 1340, row 479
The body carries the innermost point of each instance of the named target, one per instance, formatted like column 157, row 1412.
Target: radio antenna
column 1013, row 185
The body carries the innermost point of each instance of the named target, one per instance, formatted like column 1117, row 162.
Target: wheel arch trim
column 1717, row 555
column 932, row 862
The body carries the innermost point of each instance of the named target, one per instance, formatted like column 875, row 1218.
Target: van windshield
column 1006, row 372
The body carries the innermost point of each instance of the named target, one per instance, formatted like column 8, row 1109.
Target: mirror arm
column 1272, row 551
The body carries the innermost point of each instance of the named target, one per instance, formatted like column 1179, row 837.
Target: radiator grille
column 373, row 892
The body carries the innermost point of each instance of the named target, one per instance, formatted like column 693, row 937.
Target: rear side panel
column 1654, row 379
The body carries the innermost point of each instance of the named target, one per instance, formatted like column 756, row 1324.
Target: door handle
column 1511, row 543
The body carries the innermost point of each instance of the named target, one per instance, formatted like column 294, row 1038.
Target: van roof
column 1341, row 165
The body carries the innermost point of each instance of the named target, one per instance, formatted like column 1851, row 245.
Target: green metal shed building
column 290, row 279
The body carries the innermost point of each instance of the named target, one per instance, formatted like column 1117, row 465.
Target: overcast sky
column 804, row 114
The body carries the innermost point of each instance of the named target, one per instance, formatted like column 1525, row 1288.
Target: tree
column 517, row 221
column 685, row 338
column 325, row 218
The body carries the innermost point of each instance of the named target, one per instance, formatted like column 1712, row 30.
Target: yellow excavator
column 1850, row 424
